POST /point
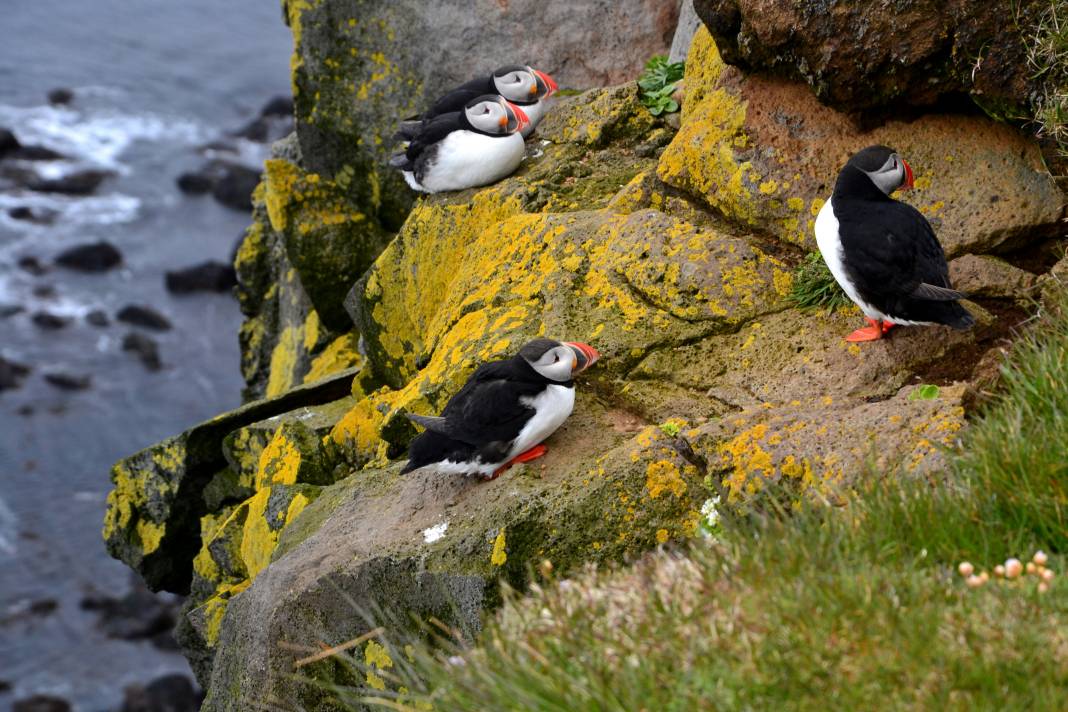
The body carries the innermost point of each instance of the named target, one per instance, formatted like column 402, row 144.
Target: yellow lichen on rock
column 499, row 556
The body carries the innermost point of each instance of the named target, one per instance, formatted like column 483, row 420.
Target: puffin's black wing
column 421, row 138
column 487, row 409
column 898, row 264
column 890, row 248
column 456, row 99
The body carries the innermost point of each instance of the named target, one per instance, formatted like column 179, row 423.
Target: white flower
column 965, row 569
column 1013, row 568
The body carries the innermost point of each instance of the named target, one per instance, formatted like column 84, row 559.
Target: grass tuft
column 814, row 286
column 1047, row 57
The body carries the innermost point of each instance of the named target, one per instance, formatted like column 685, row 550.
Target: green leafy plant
column 815, row 287
column 925, row 391
column 658, row 83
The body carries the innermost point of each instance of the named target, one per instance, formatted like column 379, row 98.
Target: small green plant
column 669, row 429
column 658, row 84
column 925, row 391
column 815, row 287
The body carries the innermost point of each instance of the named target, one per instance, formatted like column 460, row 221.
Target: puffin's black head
column 558, row 360
column 522, row 84
column 494, row 115
column 886, row 169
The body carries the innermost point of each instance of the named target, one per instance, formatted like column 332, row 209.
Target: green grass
column 657, row 83
column 814, row 286
column 851, row 608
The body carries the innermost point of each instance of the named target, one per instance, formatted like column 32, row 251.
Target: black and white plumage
column 883, row 252
column 504, row 411
column 526, row 87
column 464, row 149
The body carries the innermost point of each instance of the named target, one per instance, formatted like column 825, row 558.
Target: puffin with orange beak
column 504, row 412
column 524, row 86
column 476, row 146
column 883, row 252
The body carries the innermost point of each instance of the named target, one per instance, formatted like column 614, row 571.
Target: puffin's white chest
column 551, row 408
column 535, row 112
column 466, row 159
column 830, row 244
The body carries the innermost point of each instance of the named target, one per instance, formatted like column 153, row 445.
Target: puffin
column 503, row 413
column 476, row 146
column 523, row 86
column 882, row 252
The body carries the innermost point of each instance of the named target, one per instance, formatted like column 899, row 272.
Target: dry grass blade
column 330, row 652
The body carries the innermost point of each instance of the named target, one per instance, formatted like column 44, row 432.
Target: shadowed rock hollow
column 672, row 251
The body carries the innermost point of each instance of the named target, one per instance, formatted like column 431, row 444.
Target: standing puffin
column 523, row 86
column 463, row 149
column 884, row 253
column 503, row 412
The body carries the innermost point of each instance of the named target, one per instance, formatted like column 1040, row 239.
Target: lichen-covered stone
column 766, row 154
column 160, row 494
column 989, row 276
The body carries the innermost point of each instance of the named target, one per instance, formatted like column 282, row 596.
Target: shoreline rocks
column 90, row 257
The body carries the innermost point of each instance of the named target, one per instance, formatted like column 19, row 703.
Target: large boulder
column 765, row 153
column 861, row 55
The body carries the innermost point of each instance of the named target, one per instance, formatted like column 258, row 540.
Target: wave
column 98, row 137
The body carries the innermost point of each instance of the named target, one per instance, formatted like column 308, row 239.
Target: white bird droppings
column 435, row 532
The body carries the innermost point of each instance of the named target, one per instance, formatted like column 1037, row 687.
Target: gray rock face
column 684, row 32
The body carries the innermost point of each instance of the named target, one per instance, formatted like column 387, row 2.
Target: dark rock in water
column 196, row 182
column 144, row 347
column 11, row 374
column 41, row 703
column 170, row 693
column 47, row 320
column 91, row 257
column 37, row 153
column 40, row 216
column 278, row 106
column 210, row 276
column 139, row 615
column 234, row 188
column 78, row 183
column 143, row 316
column 25, row 410
column 68, row 381
column 60, row 96
column 97, row 318
column 9, row 310
column 44, row 291
column 8, row 142
column 32, row 265
column 255, row 130
column 5, row 686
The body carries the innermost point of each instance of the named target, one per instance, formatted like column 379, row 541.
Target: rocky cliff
column 669, row 245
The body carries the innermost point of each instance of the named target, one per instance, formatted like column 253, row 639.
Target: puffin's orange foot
column 873, row 332
column 532, row 454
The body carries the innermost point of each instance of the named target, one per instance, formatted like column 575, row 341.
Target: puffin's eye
column 556, row 357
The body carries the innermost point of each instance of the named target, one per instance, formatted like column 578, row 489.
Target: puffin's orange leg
column 873, row 332
column 532, row 454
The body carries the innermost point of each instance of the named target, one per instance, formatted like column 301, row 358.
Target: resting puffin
column 463, row 149
column 524, row 86
column 884, row 253
column 503, row 412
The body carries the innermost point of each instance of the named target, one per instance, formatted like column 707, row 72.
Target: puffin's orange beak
column 585, row 355
column 550, row 85
column 521, row 118
column 909, row 180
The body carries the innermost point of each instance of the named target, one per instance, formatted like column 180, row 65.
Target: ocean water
column 153, row 80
